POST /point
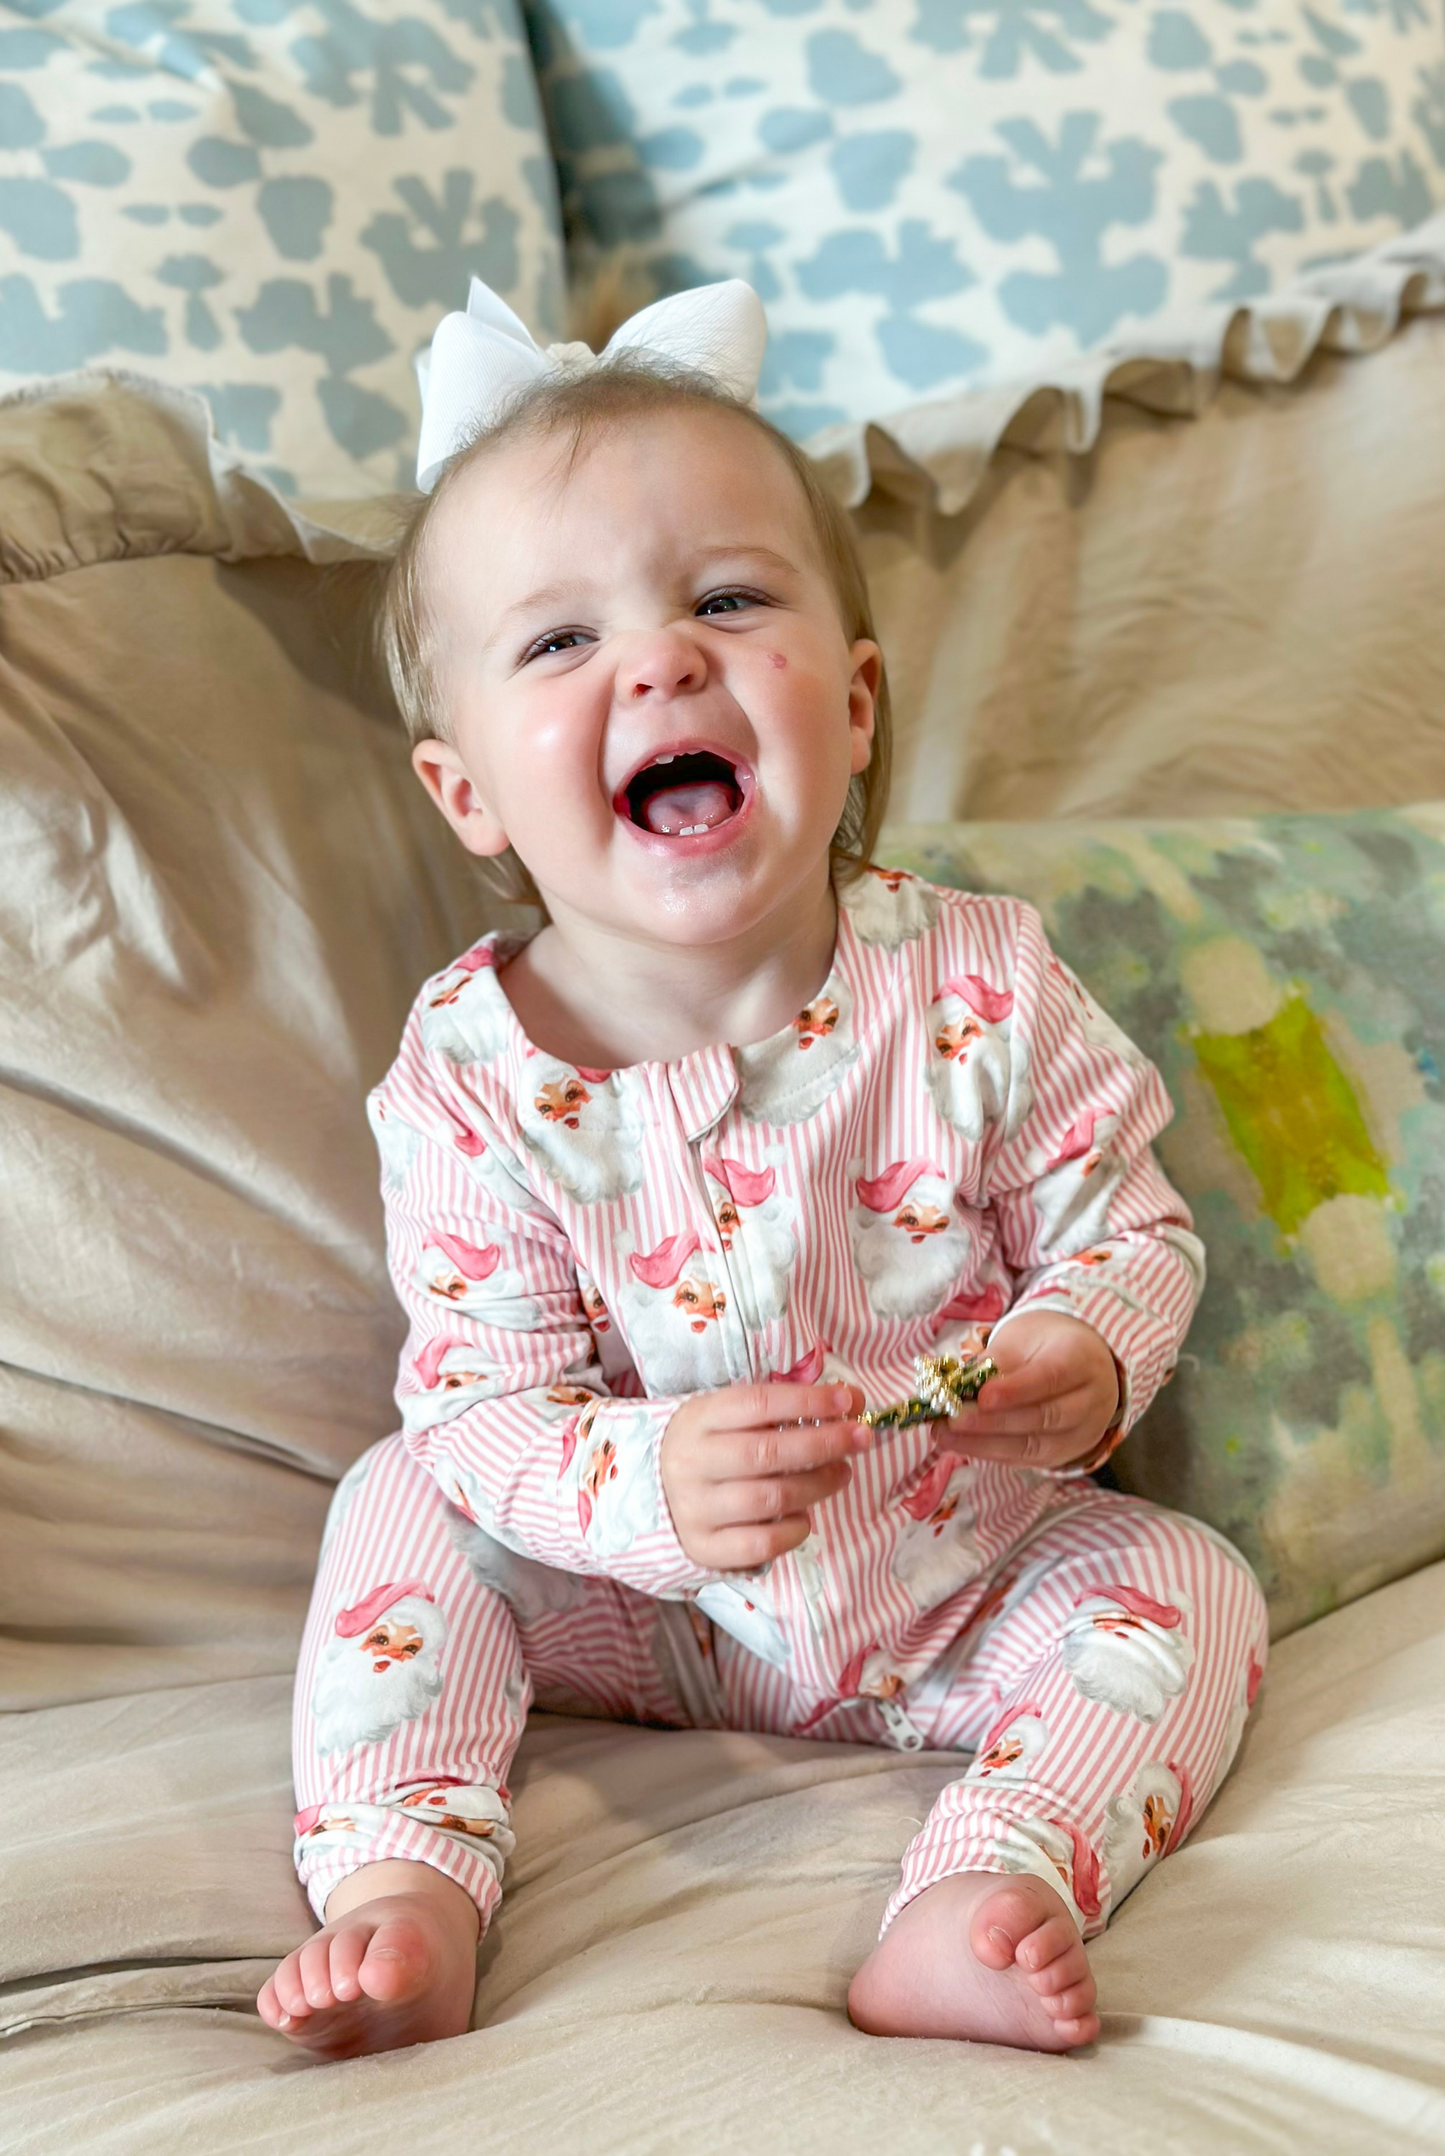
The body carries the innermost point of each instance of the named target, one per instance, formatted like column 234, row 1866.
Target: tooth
column 665, row 759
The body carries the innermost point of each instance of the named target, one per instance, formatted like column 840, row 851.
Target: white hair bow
column 481, row 358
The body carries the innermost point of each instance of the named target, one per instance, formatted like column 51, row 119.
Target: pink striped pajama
column 951, row 1132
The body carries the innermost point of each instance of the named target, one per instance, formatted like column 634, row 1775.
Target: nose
column 660, row 663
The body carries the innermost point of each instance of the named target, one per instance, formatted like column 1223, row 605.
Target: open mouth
column 683, row 795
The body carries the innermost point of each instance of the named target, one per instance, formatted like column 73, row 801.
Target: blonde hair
column 578, row 406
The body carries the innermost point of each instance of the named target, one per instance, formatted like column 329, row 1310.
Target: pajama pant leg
column 425, row 1645
column 1105, row 1698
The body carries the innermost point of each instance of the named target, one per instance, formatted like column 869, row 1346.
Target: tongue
column 674, row 809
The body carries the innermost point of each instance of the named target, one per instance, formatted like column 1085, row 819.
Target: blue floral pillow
column 272, row 201
column 936, row 194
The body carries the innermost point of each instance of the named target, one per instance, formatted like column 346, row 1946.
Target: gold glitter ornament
column 944, row 1386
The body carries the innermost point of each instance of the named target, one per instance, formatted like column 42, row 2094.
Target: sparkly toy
column 944, row 1386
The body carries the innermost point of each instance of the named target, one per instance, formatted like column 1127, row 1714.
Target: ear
column 446, row 778
column 867, row 662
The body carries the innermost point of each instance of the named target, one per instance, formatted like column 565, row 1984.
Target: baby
column 677, row 1185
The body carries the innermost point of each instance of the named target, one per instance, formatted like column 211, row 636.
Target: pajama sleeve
column 501, row 1394
column 1089, row 1224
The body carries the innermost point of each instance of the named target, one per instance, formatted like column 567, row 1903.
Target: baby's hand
column 740, row 1474
column 1056, row 1394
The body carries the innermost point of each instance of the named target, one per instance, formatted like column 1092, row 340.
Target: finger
column 1020, row 1387
column 1028, row 1450
column 776, row 1497
column 753, row 1407
column 1064, row 1411
column 747, row 1549
column 742, row 1455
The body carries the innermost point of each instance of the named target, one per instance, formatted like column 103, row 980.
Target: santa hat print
column 1077, row 1140
column 1029, row 1711
column 745, row 1186
column 926, row 1497
column 1086, row 1871
column 355, row 1622
column 806, row 1370
column 887, row 1191
column 464, row 1138
column 428, row 1364
column 662, row 1267
column 1136, row 1602
column 1186, row 1807
column 983, row 1309
column 477, row 960
column 992, row 1004
column 473, row 1261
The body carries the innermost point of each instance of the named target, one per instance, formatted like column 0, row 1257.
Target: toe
column 1070, row 2005
column 1052, row 1938
column 1070, row 1968
column 290, row 1996
column 1071, row 2034
column 316, row 1972
column 268, row 2006
column 397, row 1963
column 1001, row 1921
column 348, row 1951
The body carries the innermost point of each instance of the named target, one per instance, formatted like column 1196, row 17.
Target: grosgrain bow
column 481, row 358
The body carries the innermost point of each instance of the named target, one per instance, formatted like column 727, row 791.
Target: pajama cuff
column 614, row 1480
column 322, row 1863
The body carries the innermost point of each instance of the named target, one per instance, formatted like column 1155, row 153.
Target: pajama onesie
column 950, row 1133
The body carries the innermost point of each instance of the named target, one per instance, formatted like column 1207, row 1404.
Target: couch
column 1177, row 607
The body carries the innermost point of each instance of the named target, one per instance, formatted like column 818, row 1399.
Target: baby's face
column 650, row 692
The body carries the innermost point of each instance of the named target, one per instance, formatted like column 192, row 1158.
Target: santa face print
column 614, row 1479
column 1011, row 1748
column 742, row 1606
column 650, row 690
column 379, row 1667
column 674, row 1303
column 1142, row 1823
column 1128, row 1651
column 787, row 1078
column 451, row 1376
column 583, row 1128
column 936, row 1552
column 1073, row 1191
column 889, row 908
column 977, row 1075
column 909, row 1244
column 396, row 1142
column 478, row 1279
column 465, row 1016
column 755, row 1229
column 1057, row 1852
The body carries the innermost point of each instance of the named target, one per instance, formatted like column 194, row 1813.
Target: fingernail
column 842, row 1398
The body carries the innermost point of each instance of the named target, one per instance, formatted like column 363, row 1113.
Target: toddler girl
column 677, row 1185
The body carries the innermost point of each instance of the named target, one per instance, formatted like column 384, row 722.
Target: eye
column 729, row 602
column 554, row 641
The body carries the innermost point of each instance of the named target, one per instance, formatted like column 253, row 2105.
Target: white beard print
column 465, row 1015
column 908, row 1262
column 977, row 1074
column 1072, row 1197
column 1097, row 1027
column 614, row 1476
column 787, row 1079
column 936, row 1553
column 585, row 1131
column 475, row 1280
column 397, row 1143
column 889, row 908
column 360, row 1694
column 742, row 1607
column 1139, row 1825
column 531, row 1590
column 1123, row 1658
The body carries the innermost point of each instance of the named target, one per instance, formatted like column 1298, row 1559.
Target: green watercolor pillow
column 1287, row 974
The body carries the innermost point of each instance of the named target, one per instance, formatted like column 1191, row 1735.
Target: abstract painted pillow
column 936, row 194
column 271, row 201
column 1287, row 974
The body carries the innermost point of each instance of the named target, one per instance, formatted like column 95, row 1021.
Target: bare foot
column 984, row 1955
column 396, row 1964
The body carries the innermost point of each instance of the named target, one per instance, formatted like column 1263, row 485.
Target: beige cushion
column 683, row 1914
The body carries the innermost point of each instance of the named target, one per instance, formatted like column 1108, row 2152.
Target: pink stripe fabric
column 949, row 1129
